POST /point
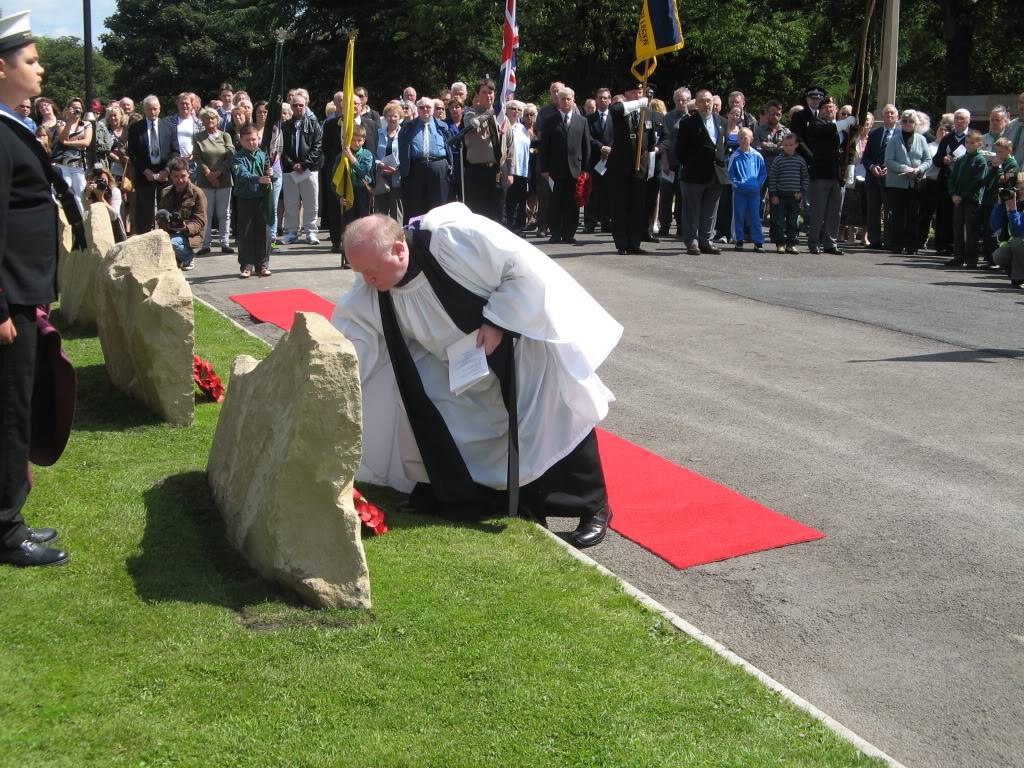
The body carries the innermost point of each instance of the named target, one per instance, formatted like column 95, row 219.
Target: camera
column 76, row 111
column 169, row 219
column 1008, row 188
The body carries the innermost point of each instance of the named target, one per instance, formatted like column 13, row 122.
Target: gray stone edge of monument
column 686, row 627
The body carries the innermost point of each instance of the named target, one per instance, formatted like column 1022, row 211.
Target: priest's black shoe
column 592, row 529
column 638, row 251
column 29, row 554
column 41, row 535
column 622, row 251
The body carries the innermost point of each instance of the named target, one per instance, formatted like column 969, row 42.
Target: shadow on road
column 959, row 356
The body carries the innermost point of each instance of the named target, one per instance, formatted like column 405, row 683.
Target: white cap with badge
column 15, row 31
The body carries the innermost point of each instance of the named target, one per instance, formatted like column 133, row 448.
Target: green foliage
column 64, row 61
column 486, row 645
column 766, row 48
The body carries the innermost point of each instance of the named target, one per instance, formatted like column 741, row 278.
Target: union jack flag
column 510, row 44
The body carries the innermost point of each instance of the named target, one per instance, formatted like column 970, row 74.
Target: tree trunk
column 958, row 33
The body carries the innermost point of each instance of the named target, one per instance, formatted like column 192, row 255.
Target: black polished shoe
column 554, row 241
column 592, row 528
column 588, row 229
column 652, row 239
column 638, row 251
column 710, row 249
column 835, row 251
column 692, row 250
column 202, row 251
column 622, row 252
column 42, row 535
column 29, row 554
column 226, row 249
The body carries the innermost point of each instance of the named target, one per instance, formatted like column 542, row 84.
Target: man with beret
column 632, row 133
column 28, row 266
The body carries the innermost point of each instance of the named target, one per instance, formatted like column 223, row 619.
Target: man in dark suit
column 330, row 147
column 671, row 200
column 874, row 186
column 945, row 156
column 700, row 148
column 633, row 136
column 151, row 145
column 598, row 208
column 28, row 270
column 564, row 152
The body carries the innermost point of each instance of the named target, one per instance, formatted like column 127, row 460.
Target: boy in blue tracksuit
column 748, row 173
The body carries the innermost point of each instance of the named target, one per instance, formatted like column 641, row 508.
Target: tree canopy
column 766, row 48
column 63, row 58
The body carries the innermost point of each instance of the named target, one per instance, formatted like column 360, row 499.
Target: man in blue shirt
column 23, row 110
column 425, row 159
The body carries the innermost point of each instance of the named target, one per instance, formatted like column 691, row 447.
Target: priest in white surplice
column 529, row 422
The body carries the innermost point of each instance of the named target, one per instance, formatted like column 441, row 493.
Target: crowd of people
column 633, row 166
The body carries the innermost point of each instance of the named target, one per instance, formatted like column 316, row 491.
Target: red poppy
column 208, row 381
column 371, row 515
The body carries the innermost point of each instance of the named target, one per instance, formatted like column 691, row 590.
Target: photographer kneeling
column 182, row 213
column 102, row 188
column 1010, row 216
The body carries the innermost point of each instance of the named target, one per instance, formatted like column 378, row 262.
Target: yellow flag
column 659, row 32
column 342, row 178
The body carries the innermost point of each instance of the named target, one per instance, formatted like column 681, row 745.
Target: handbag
column 127, row 185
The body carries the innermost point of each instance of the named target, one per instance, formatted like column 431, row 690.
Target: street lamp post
column 87, row 17
column 889, row 54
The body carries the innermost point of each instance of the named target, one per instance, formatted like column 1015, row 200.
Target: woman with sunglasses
column 908, row 160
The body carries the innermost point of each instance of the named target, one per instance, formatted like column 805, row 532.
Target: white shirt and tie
column 154, row 142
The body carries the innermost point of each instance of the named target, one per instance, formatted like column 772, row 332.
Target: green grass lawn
column 487, row 645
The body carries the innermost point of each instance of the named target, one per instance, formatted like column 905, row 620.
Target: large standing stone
column 287, row 447
column 146, row 325
column 78, row 272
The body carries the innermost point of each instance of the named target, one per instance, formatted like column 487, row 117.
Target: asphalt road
column 877, row 398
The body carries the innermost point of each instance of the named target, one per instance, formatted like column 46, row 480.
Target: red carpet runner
column 683, row 517
column 680, row 516
column 279, row 307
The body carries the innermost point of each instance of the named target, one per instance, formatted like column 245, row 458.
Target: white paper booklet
column 467, row 364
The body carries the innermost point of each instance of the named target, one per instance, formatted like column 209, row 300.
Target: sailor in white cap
column 28, row 266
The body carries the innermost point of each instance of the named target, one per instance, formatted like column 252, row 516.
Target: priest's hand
column 8, row 333
column 489, row 338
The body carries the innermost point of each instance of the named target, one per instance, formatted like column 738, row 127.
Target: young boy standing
column 1003, row 167
column 747, row 173
column 253, row 178
column 360, row 163
column 787, row 185
column 966, row 186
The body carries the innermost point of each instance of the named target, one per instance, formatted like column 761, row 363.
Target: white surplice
column 566, row 335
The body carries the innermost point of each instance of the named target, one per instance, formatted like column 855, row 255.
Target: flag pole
column 640, row 127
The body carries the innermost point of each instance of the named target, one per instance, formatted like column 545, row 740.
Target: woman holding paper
column 908, row 160
column 387, row 192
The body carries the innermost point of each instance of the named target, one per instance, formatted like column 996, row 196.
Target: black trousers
column 572, row 487
column 482, row 192
column 425, row 188
column 252, row 238
column 943, row 216
column 929, row 193
column 563, row 214
column 598, row 208
column 671, row 203
column 629, row 210
column 17, row 377
column 903, row 231
column 144, row 205
column 330, row 207
column 515, row 204
column 877, row 211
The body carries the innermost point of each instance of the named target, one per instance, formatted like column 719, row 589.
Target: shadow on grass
column 185, row 554
column 102, row 407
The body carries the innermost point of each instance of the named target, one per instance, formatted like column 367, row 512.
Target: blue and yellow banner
column 342, row 178
column 659, row 32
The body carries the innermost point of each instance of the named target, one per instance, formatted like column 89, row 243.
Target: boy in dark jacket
column 966, row 186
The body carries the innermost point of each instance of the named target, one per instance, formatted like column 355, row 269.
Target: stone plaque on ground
column 78, row 272
column 283, row 461
column 146, row 325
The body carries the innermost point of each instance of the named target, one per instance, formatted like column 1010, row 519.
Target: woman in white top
column 515, row 166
